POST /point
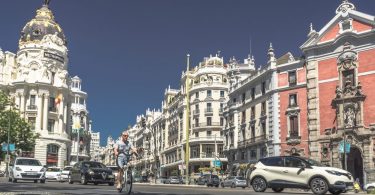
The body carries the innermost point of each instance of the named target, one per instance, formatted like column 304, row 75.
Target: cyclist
column 123, row 146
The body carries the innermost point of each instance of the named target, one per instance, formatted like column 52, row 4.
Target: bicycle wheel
column 128, row 182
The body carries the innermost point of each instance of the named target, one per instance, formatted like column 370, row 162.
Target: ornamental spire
column 345, row 7
column 46, row 2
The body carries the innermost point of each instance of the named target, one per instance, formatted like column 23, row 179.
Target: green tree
column 20, row 130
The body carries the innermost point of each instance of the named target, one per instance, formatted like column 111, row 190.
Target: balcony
column 293, row 139
column 202, row 125
column 253, row 140
column 32, row 107
column 52, row 109
column 208, row 111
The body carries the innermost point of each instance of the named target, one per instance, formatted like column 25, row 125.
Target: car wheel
column 35, row 181
column 9, row 179
column 243, row 187
column 277, row 189
column 83, row 180
column 111, row 184
column 70, row 181
column 217, row 186
column 233, row 185
column 14, row 180
column 96, row 183
column 370, row 189
column 319, row 186
column 259, row 184
column 335, row 192
column 42, row 181
column 222, row 185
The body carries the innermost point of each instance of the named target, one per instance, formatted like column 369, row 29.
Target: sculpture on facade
column 349, row 117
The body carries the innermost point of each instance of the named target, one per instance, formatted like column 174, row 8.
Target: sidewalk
column 173, row 185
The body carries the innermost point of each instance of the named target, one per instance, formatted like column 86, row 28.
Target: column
column 61, row 115
column 45, row 111
column 22, row 106
column 38, row 120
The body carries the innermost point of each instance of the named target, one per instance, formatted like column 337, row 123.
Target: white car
column 53, row 173
column 64, row 174
column 370, row 186
column 281, row 172
column 27, row 169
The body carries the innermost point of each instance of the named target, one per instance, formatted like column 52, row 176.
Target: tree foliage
column 20, row 130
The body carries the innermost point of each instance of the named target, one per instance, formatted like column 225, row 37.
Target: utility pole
column 8, row 157
column 187, row 150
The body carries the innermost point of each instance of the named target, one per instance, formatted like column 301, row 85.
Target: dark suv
column 209, row 180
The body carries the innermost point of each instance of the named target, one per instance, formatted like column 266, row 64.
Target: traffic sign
column 11, row 147
column 347, row 147
column 217, row 163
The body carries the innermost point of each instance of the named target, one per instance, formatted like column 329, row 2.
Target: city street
column 23, row 187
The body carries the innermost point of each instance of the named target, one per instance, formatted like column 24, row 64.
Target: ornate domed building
column 37, row 79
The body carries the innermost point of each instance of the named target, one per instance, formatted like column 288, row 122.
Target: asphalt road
column 25, row 187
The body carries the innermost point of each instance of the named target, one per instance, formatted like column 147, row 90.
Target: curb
column 172, row 185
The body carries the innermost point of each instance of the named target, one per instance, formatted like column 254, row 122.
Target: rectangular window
column 51, row 125
column 209, row 93
column 253, row 154
column 32, row 100
column 263, row 108
column 292, row 100
column 209, row 133
column 293, row 122
column 263, row 88
column 209, row 121
column 252, row 131
column 221, row 93
column 81, row 101
column 196, row 134
column 264, row 132
column 51, row 104
column 221, row 121
column 243, row 155
column 234, row 100
column 243, row 134
column 197, row 95
column 253, row 93
column 32, row 123
column 243, row 98
column 197, row 122
column 209, row 107
column 292, row 78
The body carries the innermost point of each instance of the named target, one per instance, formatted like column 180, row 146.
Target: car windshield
column 174, row 177
column 53, row 170
column 28, row 162
column 240, row 178
column 312, row 162
column 67, row 168
column 114, row 168
column 215, row 176
column 93, row 165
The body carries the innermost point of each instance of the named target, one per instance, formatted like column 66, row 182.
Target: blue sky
column 128, row 52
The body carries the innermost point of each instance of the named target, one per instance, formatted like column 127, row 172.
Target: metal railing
column 252, row 140
column 32, row 107
column 208, row 110
column 212, row 124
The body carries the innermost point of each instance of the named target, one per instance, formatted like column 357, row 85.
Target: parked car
column 64, row 174
column 114, row 169
column 53, row 173
column 137, row 179
column 297, row 172
column 174, row 180
column 369, row 187
column 234, row 181
column 27, row 169
column 163, row 179
column 209, row 180
column 91, row 172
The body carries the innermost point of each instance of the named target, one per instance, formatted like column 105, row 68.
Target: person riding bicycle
column 122, row 147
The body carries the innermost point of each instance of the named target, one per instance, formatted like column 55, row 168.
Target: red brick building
column 292, row 106
column 340, row 68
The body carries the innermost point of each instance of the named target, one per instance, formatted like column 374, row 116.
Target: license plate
column 349, row 187
column 30, row 173
column 110, row 176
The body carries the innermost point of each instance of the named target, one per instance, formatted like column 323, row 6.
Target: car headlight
column 18, row 169
column 333, row 172
column 91, row 172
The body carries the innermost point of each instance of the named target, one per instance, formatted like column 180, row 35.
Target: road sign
column 217, row 163
column 11, row 147
column 347, row 147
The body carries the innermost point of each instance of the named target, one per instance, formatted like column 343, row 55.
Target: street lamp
column 10, row 104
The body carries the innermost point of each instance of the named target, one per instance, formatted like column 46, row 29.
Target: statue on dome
column 46, row 2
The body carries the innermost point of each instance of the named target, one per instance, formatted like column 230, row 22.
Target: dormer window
column 346, row 25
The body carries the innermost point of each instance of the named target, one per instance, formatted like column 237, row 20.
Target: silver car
column 234, row 181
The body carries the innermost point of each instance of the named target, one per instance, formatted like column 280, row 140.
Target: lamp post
column 187, row 150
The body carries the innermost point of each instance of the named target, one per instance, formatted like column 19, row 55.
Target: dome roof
column 43, row 24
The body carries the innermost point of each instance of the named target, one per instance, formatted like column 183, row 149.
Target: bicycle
column 127, row 178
